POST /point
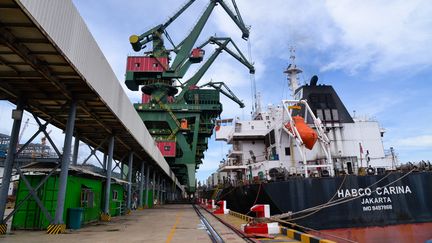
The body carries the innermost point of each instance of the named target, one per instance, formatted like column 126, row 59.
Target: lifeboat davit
column 307, row 134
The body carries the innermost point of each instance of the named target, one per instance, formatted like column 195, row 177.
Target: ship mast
column 292, row 71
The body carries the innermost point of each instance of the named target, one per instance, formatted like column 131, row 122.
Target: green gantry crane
column 181, row 124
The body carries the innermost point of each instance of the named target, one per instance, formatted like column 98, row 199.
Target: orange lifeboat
column 307, row 134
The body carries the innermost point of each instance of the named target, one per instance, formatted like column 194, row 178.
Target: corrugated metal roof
column 49, row 56
column 34, row 168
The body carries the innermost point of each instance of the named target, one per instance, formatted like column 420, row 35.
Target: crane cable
column 252, row 78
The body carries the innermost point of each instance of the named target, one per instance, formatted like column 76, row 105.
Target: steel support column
column 75, row 151
column 122, row 170
column 8, row 164
column 147, row 186
column 108, row 178
column 154, row 184
column 163, row 191
column 158, row 189
column 58, row 219
column 105, row 158
column 129, row 175
column 141, row 186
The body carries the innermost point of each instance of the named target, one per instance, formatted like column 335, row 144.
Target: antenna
column 292, row 71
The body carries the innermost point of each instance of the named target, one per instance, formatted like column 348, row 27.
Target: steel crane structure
column 181, row 124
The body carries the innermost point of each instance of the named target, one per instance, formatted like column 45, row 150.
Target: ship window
column 320, row 114
column 272, row 137
column 237, row 127
column 267, row 117
column 335, row 115
column 252, row 127
column 287, row 151
column 274, row 156
column 327, row 115
column 114, row 195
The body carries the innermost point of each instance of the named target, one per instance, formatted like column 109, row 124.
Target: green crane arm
column 222, row 43
column 228, row 93
column 185, row 47
column 237, row 18
column 138, row 42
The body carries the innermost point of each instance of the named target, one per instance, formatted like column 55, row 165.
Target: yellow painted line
column 173, row 228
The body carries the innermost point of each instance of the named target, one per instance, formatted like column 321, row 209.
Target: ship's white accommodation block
column 261, row 145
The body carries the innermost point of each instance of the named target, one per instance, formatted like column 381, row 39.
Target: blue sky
column 376, row 54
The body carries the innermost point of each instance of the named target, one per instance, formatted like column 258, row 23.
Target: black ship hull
column 341, row 202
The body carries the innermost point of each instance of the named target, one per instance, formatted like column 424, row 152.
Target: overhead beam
column 8, row 5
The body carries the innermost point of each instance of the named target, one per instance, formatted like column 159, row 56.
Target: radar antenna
column 292, row 71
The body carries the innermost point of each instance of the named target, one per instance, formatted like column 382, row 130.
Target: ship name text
column 389, row 190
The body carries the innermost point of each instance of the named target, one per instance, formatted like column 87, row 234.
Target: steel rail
column 214, row 236
column 237, row 231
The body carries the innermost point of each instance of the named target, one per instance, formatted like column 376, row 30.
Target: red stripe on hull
column 402, row 233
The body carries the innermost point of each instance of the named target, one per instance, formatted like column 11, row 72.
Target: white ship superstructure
column 263, row 149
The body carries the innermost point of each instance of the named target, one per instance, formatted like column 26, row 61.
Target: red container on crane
column 146, row 64
column 196, row 55
column 145, row 98
column 167, row 148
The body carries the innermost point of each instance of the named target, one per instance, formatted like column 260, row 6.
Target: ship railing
column 241, row 216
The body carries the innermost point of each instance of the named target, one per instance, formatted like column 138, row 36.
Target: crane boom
column 184, row 48
column 228, row 93
column 222, row 45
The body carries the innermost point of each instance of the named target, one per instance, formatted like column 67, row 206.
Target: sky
column 376, row 54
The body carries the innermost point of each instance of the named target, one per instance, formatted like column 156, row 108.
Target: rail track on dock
column 207, row 217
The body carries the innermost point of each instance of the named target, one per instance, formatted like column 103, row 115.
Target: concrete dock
column 167, row 223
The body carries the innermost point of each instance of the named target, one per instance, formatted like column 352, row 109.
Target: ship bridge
column 51, row 67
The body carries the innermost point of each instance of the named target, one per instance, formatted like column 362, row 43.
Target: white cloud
column 379, row 35
column 350, row 35
column 421, row 141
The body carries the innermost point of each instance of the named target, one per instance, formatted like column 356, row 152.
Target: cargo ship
column 323, row 169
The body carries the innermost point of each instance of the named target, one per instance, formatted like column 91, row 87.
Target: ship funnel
column 314, row 80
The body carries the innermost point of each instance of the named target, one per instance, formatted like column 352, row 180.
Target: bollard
column 222, row 208
column 261, row 211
